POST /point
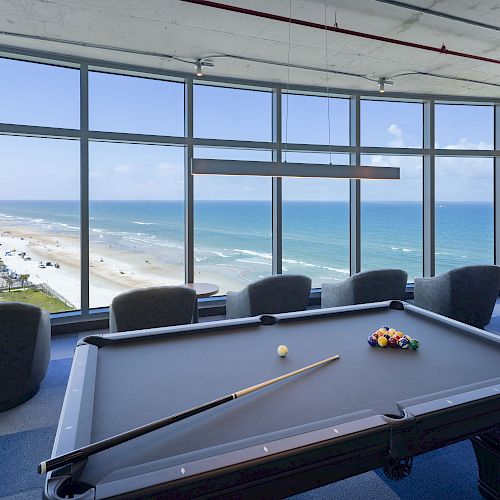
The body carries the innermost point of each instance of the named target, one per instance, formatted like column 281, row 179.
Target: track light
column 382, row 82
column 203, row 63
column 199, row 71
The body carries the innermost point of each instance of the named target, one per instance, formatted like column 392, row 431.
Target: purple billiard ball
column 372, row 341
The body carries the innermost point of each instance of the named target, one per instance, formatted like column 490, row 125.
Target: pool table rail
column 445, row 420
column 306, row 459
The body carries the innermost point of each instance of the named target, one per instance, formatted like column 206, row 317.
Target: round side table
column 202, row 290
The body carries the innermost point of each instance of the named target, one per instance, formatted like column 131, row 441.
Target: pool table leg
column 487, row 449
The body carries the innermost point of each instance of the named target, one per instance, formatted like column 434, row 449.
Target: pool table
column 372, row 407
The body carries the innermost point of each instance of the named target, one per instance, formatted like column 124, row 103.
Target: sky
column 34, row 168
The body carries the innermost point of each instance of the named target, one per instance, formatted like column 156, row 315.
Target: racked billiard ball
column 414, row 344
column 403, row 343
column 392, row 342
column 382, row 341
column 375, row 335
column 386, row 328
column 372, row 341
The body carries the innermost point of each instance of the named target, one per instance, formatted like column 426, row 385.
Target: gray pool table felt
column 143, row 381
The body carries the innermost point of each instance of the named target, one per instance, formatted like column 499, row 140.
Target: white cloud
column 397, row 133
column 464, row 143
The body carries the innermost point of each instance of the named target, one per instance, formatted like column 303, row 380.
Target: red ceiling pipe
column 310, row 24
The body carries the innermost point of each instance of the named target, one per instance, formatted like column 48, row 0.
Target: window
column 316, row 223
column 232, row 228
column 136, row 218
column 391, row 124
column 40, row 222
column 464, row 212
column 461, row 126
column 227, row 113
column 39, row 94
column 307, row 119
column 136, row 105
column 391, row 217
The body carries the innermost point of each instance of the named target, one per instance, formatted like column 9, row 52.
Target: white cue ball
column 282, row 350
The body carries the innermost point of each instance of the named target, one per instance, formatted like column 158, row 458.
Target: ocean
column 237, row 234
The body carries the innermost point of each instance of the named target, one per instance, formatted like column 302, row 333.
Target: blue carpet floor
column 27, row 433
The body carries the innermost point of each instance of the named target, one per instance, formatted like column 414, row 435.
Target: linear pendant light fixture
column 284, row 168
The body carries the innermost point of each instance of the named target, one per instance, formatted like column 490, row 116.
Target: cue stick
column 91, row 449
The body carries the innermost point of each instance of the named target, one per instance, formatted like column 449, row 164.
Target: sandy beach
column 113, row 269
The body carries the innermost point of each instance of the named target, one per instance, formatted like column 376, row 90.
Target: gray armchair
column 276, row 294
column 24, row 352
column 466, row 294
column 369, row 286
column 152, row 308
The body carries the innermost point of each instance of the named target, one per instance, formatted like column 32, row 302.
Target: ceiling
column 190, row 31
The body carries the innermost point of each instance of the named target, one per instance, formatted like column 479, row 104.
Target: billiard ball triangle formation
column 390, row 337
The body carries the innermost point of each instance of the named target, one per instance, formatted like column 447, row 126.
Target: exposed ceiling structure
column 190, row 32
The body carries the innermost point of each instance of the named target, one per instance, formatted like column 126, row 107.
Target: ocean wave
column 337, row 270
column 168, row 244
column 145, row 223
column 67, row 226
column 254, row 254
column 309, row 264
column 219, row 254
column 402, row 249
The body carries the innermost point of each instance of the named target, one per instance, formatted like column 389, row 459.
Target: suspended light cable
column 288, row 79
column 328, row 85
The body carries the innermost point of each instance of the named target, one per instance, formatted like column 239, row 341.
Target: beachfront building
column 105, row 105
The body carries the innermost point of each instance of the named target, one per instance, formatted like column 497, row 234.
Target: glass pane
column 136, row 105
column 233, row 233
column 464, row 212
column 307, row 120
column 40, row 222
column 461, row 126
column 391, row 124
column 316, row 223
column 136, row 218
column 226, row 113
column 39, row 94
column 391, row 217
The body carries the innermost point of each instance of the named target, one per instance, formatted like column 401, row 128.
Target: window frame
column 189, row 142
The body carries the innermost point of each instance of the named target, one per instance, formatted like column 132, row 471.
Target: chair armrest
column 41, row 355
column 433, row 294
column 238, row 304
column 113, row 328
column 336, row 294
